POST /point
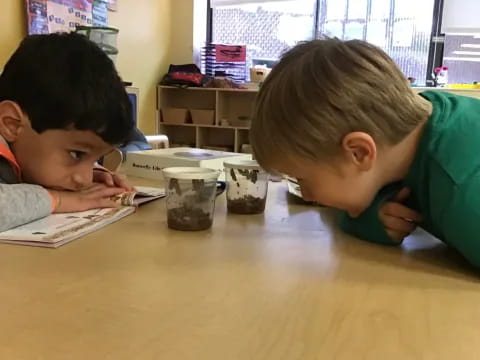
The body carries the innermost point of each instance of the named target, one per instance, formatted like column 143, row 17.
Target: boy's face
column 59, row 159
column 348, row 181
column 336, row 185
column 56, row 159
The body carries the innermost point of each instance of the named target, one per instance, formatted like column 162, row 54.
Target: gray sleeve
column 22, row 203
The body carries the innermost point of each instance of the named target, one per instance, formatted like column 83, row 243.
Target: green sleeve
column 368, row 225
column 461, row 220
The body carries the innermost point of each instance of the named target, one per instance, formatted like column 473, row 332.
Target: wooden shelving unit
column 231, row 106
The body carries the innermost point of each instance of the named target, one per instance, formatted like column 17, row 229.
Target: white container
column 150, row 163
column 191, row 193
column 247, row 186
column 442, row 79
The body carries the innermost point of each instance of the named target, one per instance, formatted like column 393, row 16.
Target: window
column 462, row 57
column 403, row 28
column 267, row 28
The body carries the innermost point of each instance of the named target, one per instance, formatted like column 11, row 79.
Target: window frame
column 435, row 53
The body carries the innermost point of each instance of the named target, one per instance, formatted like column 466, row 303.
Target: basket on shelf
column 175, row 115
column 203, row 117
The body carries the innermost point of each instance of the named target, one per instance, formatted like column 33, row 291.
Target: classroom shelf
column 232, row 107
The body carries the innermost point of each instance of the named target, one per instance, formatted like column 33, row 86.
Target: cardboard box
column 259, row 74
column 241, row 121
column 149, row 163
column 203, row 117
column 175, row 115
column 246, row 149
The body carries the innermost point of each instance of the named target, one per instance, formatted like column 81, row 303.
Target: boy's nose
column 82, row 179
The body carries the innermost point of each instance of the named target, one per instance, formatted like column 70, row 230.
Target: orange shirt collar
column 7, row 154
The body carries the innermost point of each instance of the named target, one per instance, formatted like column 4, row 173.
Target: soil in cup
column 188, row 219
column 246, row 205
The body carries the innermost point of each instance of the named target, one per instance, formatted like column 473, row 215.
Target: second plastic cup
column 191, row 193
column 247, row 187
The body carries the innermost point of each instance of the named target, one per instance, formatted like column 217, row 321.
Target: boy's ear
column 12, row 120
column 360, row 149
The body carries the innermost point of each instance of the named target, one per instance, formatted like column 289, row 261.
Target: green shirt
column 444, row 179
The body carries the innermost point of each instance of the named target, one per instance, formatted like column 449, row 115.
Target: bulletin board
column 48, row 16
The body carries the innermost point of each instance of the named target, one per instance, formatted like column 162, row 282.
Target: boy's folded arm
column 23, row 203
column 461, row 220
column 368, row 225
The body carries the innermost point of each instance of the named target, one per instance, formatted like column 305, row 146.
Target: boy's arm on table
column 368, row 225
column 23, row 203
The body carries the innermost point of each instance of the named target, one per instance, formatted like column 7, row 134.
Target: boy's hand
column 111, row 179
column 98, row 196
column 399, row 220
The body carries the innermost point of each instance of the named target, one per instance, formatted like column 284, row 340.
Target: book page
column 149, row 191
column 57, row 226
column 58, row 229
column 142, row 195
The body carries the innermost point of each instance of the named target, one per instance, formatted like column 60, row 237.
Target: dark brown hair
column 62, row 81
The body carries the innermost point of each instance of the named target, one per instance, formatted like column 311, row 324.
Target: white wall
column 461, row 16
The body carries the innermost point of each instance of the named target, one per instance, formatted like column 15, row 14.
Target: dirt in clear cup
column 247, row 187
column 190, row 199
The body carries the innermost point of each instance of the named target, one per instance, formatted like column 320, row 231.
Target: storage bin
column 203, row 117
column 175, row 115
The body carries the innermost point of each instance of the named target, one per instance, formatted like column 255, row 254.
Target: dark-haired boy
column 62, row 107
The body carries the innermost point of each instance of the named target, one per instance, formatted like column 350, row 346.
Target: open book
column 58, row 229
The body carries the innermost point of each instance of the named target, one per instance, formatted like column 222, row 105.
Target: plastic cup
column 247, row 186
column 191, row 193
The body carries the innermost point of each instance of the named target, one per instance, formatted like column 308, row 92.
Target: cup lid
column 191, row 173
column 242, row 164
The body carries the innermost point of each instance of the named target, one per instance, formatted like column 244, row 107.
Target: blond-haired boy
column 342, row 118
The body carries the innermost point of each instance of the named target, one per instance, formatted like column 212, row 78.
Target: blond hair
column 322, row 90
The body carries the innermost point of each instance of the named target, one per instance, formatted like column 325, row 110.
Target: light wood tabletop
column 282, row 286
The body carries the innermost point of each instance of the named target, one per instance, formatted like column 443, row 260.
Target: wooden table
column 283, row 286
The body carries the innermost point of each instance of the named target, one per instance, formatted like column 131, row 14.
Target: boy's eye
column 77, row 155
